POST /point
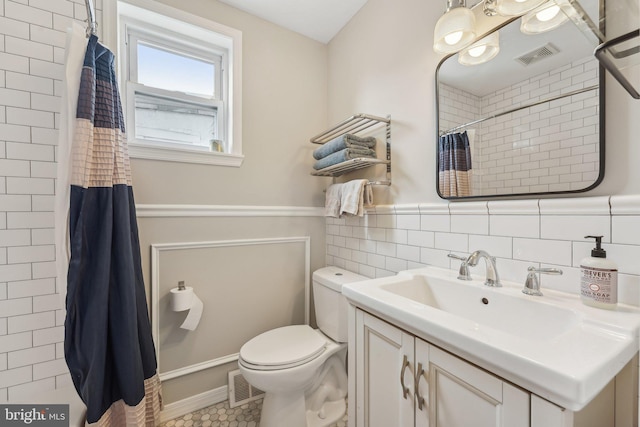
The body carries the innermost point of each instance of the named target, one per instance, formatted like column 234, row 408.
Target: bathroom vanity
column 428, row 350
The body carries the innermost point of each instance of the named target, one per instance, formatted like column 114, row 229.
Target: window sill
column 141, row 151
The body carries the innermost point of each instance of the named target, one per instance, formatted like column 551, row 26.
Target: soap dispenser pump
column 598, row 278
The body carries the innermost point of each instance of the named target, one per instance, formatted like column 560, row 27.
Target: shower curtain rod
column 91, row 18
column 513, row 110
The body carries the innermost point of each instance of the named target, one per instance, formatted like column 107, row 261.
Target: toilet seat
column 282, row 348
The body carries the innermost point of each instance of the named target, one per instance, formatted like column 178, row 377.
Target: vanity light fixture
column 544, row 18
column 515, row 7
column 455, row 29
column 481, row 51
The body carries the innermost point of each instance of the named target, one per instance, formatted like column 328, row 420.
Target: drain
column 485, row 301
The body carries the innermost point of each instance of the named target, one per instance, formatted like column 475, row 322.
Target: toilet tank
column 330, row 305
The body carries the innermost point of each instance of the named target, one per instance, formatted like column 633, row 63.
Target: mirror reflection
column 519, row 112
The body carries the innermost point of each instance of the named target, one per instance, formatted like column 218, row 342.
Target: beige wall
column 382, row 62
column 284, row 104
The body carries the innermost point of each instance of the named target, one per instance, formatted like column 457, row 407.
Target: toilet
column 303, row 370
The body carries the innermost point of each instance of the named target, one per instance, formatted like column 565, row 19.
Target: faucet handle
column 458, row 257
column 552, row 271
column 532, row 284
column 463, row 272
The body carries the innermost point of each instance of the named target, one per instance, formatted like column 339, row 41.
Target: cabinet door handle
column 419, row 398
column 405, row 389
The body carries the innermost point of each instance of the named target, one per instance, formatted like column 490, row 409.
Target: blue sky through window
column 170, row 71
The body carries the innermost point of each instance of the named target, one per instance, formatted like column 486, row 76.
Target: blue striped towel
column 342, row 142
column 342, row 156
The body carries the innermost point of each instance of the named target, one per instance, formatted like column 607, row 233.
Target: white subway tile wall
column 548, row 147
column 546, row 235
column 32, row 40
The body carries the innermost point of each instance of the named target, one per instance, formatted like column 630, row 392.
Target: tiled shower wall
column 32, row 40
column 548, row 147
column 543, row 233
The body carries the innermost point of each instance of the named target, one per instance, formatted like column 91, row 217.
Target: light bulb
column 453, row 38
column 545, row 18
column 454, row 30
column 548, row 14
column 477, row 51
column 481, row 51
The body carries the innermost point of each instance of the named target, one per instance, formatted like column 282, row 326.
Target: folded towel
column 332, row 202
column 344, row 155
column 356, row 195
column 342, row 142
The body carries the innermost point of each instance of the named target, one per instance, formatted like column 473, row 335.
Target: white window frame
column 175, row 29
column 135, row 32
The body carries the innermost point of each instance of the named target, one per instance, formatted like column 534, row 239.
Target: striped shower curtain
column 454, row 165
column 108, row 345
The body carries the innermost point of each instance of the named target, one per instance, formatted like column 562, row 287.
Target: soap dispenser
column 598, row 278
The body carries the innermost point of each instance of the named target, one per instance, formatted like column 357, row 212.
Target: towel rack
column 353, row 125
column 611, row 59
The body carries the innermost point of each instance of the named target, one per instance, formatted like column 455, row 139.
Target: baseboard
column 193, row 403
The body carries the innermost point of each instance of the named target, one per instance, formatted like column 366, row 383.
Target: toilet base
column 289, row 411
column 330, row 413
column 318, row 406
column 280, row 410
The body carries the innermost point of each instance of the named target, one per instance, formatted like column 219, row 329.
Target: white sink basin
column 493, row 309
column 553, row 345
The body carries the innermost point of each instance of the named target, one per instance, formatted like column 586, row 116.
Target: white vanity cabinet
column 450, row 392
column 400, row 380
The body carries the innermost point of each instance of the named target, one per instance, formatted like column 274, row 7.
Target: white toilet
column 303, row 370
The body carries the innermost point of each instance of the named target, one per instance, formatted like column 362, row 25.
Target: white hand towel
column 332, row 202
column 354, row 196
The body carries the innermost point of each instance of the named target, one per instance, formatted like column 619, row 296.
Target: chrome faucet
column 493, row 279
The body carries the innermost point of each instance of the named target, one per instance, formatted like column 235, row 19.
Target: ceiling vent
column 537, row 55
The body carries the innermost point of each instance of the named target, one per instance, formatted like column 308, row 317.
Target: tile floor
column 220, row 415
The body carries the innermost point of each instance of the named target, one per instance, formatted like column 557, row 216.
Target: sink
column 520, row 317
column 553, row 346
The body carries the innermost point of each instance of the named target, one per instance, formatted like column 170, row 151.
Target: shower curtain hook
column 92, row 26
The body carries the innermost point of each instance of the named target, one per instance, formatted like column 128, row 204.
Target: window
column 181, row 86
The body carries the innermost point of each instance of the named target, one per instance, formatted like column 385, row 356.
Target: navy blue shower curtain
column 454, row 165
column 108, row 344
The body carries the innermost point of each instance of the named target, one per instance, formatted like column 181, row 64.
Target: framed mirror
column 528, row 121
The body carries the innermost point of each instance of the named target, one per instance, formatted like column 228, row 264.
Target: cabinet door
column 463, row 395
column 384, row 362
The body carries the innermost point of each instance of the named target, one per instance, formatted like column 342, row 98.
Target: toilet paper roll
column 187, row 299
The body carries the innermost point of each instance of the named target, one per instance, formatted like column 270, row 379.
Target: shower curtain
column 454, row 165
column 108, row 345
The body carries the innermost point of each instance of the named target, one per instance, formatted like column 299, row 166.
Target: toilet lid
column 289, row 345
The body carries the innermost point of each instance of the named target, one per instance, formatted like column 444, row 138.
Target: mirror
column 530, row 121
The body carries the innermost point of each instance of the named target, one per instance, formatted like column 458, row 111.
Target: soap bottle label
column 599, row 284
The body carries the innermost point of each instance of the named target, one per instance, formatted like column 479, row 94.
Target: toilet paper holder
column 183, row 298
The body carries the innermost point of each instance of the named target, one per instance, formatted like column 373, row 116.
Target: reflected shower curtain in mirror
column 454, row 165
column 108, row 344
